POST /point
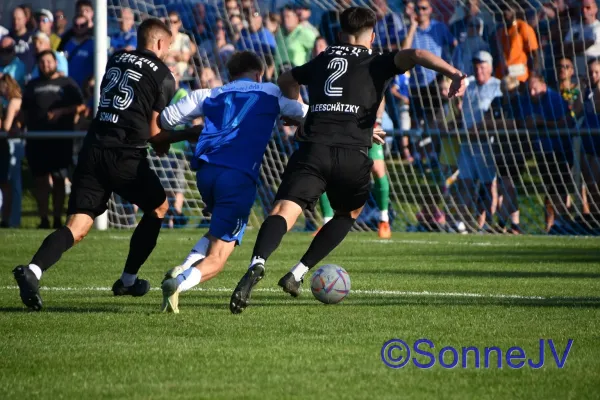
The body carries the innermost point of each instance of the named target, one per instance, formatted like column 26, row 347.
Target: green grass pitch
column 454, row 290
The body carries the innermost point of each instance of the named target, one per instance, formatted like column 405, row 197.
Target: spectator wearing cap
column 84, row 9
column 518, row 46
column 299, row 40
column 304, row 12
column 22, row 37
column 80, row 51
column 126, row 37
column 49, row 104
column 182, row 47
column 389, row 30
column 256, row 37
column 476, row 158
column 9, row 62
column 583, row 39
column 45, row 20
column 41, row 43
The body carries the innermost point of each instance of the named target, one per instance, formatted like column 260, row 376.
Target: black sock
column 269, row 236
column 53, row 247
column 142, row 243
column 328, row 238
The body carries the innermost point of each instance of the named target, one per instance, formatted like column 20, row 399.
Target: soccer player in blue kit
column 239, row 120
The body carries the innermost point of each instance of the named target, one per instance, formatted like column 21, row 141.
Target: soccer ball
column 330, row 284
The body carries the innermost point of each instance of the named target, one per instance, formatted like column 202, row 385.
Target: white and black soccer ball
column 330, row 284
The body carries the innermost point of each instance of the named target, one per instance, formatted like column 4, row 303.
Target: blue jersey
column 238, row 122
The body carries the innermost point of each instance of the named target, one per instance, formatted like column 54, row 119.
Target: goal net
column 527, row 162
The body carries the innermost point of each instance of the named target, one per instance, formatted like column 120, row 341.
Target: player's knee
column 348, row 217
column 161, row 210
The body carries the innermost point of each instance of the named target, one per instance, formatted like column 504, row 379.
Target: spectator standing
column 45, row 20
column 472, row 13
column 476, row 158
column 49, row 104
column 591, row 144
column 400, row 91
column 22, row 37
column 10, row 64
column 389, row 30
column 181, row 47
column 85, row 9
column 330, row 22
column 126, row 37
column 218, row 49
column 41, row 43
column 60, row 23
column 583, row 39
column 80, row 51
column 304, row 12
column 299, row 40
column 10, row 94
column 519, row 49
column 256, row 37
column 473, row 43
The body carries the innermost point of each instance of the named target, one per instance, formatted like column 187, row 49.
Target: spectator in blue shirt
column 41, row 43
column 80, row 51
column 9, row 62
column 22, row 37
column 389, row 31
column 256, row 37
column 126, row 37
column 428, row 34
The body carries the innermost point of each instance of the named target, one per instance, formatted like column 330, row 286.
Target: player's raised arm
column 407, row 59
column 185, row 110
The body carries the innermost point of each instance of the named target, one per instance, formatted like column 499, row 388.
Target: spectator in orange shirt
column 518, row 46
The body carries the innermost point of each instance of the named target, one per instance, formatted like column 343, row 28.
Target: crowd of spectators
column 529, row 68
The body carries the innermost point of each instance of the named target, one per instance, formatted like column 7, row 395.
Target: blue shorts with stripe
column 229, row 195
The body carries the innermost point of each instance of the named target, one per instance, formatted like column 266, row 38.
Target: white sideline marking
column 354, row 292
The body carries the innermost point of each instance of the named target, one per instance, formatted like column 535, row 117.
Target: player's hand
column 378, row 135
column 287, row 121
column 161, row 149
column 458, row 85
column 52, row 115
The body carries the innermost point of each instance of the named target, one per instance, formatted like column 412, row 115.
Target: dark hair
column 83, row 3
column 149, row 28
column 45, row 53
column 354, row 20
column 538, row 76
column 242, row 62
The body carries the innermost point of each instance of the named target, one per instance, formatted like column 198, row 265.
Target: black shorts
column 345, row 174
column 49, row 157
column 102, row 171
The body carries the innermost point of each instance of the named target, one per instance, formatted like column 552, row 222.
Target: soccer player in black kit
column 136, row 87
column 346, row 84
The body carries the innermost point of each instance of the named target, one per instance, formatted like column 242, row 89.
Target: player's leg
column 348, row 196
column 229, row 195
column 302, row 184
column 139, row 184
column 88, row 200
column 381, row 190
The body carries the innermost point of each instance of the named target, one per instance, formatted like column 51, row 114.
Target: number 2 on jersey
column 119, row 101
column 340, row 67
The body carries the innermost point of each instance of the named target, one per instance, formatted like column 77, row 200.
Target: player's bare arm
column 288, row 85
column 407, row 59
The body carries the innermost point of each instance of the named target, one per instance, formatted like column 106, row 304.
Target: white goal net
column 519, row 155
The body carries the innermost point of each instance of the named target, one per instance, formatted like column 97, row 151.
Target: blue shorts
column 476, row 162
column 229, row 195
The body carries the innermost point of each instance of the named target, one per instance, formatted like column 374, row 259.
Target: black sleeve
column 74, row 93
column 65, row 39
column 167, row 91
column 384, row 66
column 303, row 73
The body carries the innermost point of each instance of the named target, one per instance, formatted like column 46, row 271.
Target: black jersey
column 345, row 86
column 135, row 84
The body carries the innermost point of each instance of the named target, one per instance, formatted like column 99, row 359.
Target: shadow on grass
column 69, row 310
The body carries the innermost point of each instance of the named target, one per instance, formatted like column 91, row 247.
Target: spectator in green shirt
column 299, row 40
